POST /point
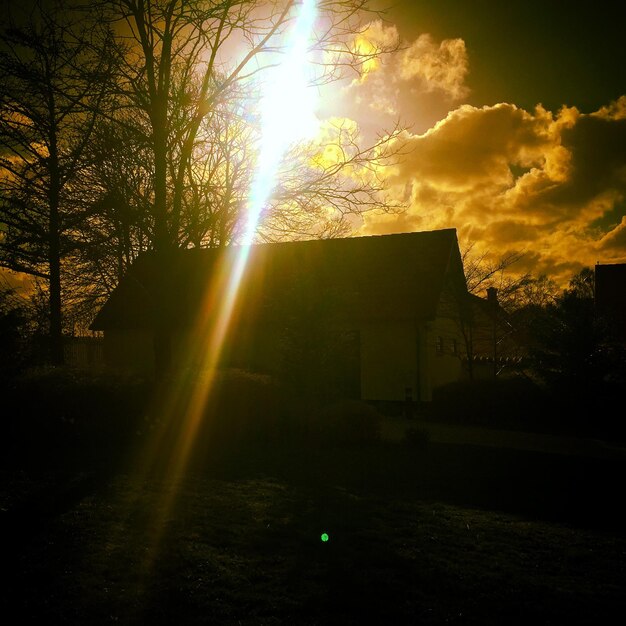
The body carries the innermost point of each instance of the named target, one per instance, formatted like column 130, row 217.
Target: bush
column 344, row 422
column 224, row 408
column 417, row 437
column 244, row 406
column 61, row 411
column 521, row 404
column 504, row 403
column 79, row 396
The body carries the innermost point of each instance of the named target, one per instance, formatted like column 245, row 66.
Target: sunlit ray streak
column 287, row 109
column 287, row 116
column 287, row 112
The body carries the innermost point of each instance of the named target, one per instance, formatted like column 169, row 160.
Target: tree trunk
column 56, row 326
column 162, row 245
column 54, row 256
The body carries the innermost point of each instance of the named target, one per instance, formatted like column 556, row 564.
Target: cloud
column 424, row 66
column 442, row 66
column 613, row 243
column 550, row 185
column 474, row 147
column 372, row 43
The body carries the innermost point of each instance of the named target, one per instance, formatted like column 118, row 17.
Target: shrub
column 235, row 407
column 505, row 403
column 344, row 422
column 59, row 411
column 417, row 437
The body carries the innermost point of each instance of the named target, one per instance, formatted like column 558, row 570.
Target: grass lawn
column 445, row 534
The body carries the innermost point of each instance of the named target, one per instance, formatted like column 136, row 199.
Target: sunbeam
column 288, row 116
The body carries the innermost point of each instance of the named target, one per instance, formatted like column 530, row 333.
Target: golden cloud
column 424, row 66
column 442, row 66
column 549, row 185
column 613, row 243
column 370, row 43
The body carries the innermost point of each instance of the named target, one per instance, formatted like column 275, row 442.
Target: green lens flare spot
column 324, row 537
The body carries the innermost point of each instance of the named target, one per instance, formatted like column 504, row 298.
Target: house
column 610, row 297
column 491, row 342
column 382, row 310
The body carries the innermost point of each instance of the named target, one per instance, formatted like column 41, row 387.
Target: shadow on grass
column 427, row 533
column 240, row 547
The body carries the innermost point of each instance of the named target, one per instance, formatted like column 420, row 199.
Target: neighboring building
column 610, row 296
column 491, row 343
column 385, row 308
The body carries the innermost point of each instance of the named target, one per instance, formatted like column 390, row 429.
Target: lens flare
column 288, row 115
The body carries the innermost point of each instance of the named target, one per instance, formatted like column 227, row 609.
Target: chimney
column 492, row 296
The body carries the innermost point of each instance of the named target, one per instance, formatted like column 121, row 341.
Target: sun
column 287, row 113
column 290, row 100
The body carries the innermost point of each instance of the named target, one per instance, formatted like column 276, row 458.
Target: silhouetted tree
column 574, row 351
column 320, row 198
column 582, row 285
column 117, row 227
column 185, row 97
column 52, row 81
column 482, row 271
column 13, row 331
column 153, row 146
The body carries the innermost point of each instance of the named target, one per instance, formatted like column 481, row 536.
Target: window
column 439, row 346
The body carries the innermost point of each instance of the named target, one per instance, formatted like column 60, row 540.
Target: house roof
column 384, row 277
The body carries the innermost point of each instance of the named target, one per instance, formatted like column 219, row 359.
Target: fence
column 84, row 352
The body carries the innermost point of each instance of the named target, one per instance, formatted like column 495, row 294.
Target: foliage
column 253, row 409
column 417, row 437
column 500, row 327
column 344, row 422
column 13, row 332
column 517, row 403
column 574, row 350
column 76, row 396
column 582, row 285
column 64, row 414
column 242, row 407
column 24, row 337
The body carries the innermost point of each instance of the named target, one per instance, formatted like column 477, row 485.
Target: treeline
column 561, row 367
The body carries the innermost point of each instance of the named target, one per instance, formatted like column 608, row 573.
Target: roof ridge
column 406, row 235
column 393, row 275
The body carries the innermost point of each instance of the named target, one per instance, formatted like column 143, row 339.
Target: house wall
column 444, row 349
column 389, row 361
column 129, row 350
column 133, row 350
column 394, row 358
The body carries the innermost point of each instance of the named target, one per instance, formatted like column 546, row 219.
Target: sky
column 517, row 126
